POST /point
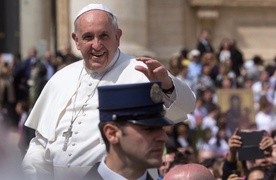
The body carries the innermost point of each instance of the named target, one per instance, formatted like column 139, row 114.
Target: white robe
column 50, row 113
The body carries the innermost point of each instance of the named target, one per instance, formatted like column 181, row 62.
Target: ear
column 112, row 133
column 76, row 39
column 118, row 36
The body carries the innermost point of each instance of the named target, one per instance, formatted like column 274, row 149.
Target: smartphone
column 249, row 149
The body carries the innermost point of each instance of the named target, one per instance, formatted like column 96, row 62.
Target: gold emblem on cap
column 156, row 93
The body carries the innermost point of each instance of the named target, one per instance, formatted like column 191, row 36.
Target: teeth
column 97, row 54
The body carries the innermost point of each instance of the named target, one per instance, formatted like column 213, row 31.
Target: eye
column 104, row 36
column 87, row 37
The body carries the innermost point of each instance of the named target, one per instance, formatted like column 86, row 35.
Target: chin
column 94, row 66
column 153, row 163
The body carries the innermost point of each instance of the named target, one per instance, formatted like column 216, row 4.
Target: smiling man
column 131, row 128
column 68, row 142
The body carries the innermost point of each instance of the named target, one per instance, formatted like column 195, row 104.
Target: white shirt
column 219, row 151
column 210, row 123
column 107, row 173
column 265, row 121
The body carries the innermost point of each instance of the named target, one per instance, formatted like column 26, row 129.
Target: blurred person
column 204, row 154
column 204, row 45
column 227, row 83
column 203, row 81
column 237, row 58
column 25, row 133
column 195, row 66
column 257, row 86
column 210, row 121
column 174, row 64
column 224, row 73
column 199, row 136
column 69, row 56
column 254, row 67
column 224, row 50
column 183, row 73
column 47, row 60
column 210, row 59
column 272, row 78
column 185, row 155
column 27, row 68
column 37, row 80
column 248, row 83
column 217, row 168
column 219, row 143
column 183, row 135
column 191, row 171
column 167, row 163
column 183, row 54
column 268, row 91
column 231, row 161
column 173, row 159
column 20, row 88
column 265, row 117
column 200, row 109
column 256, row 173
column 7, row 94
column 231, row 73
column 65, row 116
column 208, row 97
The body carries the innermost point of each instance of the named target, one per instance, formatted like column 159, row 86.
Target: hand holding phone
column 250, row 148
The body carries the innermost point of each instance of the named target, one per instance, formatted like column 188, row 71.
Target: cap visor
column 155, row 122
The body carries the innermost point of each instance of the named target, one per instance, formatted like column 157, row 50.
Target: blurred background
column 157, row 28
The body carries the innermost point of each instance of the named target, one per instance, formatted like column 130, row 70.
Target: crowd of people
column 206, row 137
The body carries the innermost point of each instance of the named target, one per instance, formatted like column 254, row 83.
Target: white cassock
column 62, row 100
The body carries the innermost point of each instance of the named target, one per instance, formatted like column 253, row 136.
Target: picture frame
column 238, row 107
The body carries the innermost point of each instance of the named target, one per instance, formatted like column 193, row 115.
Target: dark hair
column 258, row 60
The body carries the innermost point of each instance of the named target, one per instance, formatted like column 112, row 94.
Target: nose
column 96, row 44
column 162, row 135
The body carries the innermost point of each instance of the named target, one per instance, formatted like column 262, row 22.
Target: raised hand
column 266, row 143
column 234, row 143
column 155, row 71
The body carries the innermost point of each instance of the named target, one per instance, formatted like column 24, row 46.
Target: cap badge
column 156, row 93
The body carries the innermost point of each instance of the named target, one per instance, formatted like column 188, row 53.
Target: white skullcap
column 93, row 7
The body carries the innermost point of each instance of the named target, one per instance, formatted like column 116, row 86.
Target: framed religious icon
column 238, row 106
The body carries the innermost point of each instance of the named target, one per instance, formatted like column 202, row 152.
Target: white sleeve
column 35, row 164
column 180, row 103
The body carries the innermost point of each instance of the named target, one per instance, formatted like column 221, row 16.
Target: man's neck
column 124, row 167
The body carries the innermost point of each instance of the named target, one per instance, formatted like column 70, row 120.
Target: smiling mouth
column 97, row 54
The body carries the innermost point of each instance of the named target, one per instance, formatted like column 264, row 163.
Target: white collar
column 107, row 173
